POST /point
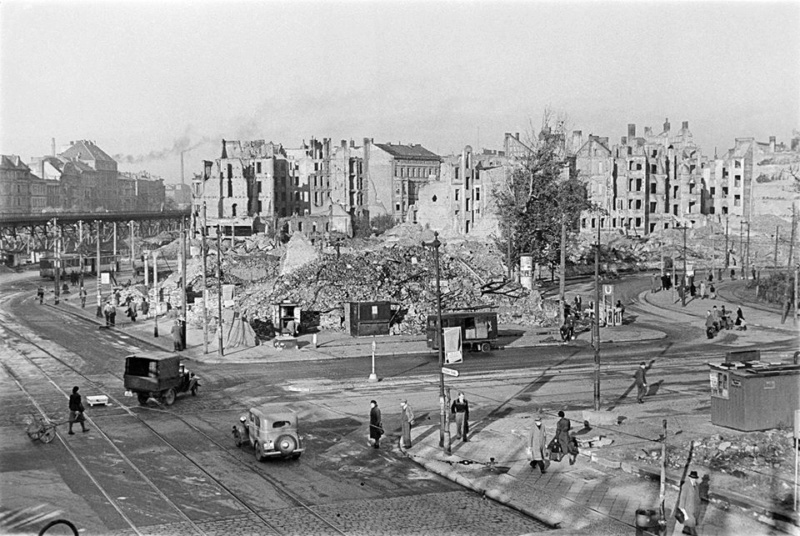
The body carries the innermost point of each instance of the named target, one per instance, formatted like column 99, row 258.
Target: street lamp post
column 155, row 292
column 685, row 279
column 444, row 432
column 596, row 325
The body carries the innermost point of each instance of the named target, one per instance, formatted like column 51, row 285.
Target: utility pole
column 563, row 281
column 789, row 270
column 155, row 292
column 56, row 260
column 662, row 519
column 747, row 257
column 98, row 223
column 727, row 253
column 219, row 290
column 183, row 282
column 777, row 231
column 685, row 279
column 444, row 432
column 205, row 284
column 597, row 320
column 741, row 248
column 133, row 246
column 115, row 246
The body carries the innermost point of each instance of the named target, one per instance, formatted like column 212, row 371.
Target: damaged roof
column 86, row 150
column 408, row 152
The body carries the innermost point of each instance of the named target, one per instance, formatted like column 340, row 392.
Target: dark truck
column 478, row 329
column 158, row 375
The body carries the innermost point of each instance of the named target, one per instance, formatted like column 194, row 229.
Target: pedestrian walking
column 406, row 422
column 562, row 434
column 741, row 325
column 688, row 506
column 460, row 409
column 375, row 425
column 641, row 382
column 711, row 325
column 76, row 411
column 112, row 316
column 40, row 294
column 107, row 310
column 176, row 336
column 703, row 289
column 537, row 442
column 145, row 307
column 131, row 311
column 712, row 291
column 82, row 294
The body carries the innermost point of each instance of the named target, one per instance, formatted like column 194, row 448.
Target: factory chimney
column 182, row 178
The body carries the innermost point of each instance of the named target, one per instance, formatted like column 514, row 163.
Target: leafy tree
column 540, row 192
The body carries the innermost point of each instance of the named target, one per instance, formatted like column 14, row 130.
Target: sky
column 148, row 79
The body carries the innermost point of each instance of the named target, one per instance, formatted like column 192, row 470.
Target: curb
column 443, row 469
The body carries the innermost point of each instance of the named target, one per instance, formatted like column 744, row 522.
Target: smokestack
column 52, row 146
column 182, row 176
column 666, row 125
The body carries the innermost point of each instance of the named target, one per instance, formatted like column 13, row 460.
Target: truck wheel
column 259, row 452
column 286, row 444
column 142, row 397
column 169, row 396
column 486, row 347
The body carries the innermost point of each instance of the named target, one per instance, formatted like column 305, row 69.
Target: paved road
column 156, row 471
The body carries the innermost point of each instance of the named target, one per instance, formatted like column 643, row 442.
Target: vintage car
column 158, row 375
column 271, row 430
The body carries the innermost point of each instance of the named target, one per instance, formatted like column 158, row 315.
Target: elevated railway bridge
column 24, row 238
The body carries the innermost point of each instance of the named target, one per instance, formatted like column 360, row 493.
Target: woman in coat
column 460, row 408
column 537, row 442
column 562, row 432
column 375, row 425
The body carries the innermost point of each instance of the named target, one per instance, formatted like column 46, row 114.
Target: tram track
column 287, row 495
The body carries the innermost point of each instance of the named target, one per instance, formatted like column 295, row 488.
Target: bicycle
column 41, row 429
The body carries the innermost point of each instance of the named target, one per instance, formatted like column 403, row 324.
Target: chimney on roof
column 666, row 125
column 631, row 130
column 182, row 176
column 352, row 144
column 52, row 146
column 604, row 141
column 517, row 136
column 344, row 144
column 685, row 125
column 772, row 144
column 623, row 140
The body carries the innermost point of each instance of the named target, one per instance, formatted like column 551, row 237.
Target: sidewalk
column 329, row 344
column 590, row 498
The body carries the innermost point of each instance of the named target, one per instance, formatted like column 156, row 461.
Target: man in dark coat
column 176, row 336
column 460, row 408
column 40, row 294
column 76, row 411
column 641, row 382
column 562, row 433
column 375, row 425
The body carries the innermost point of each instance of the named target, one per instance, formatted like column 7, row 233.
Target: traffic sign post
column 449, row 371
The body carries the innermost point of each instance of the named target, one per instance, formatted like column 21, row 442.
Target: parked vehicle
column 478, row 329
column 271, row 430
column 158, row 375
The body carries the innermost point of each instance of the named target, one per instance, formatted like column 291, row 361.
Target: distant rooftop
column 408, row 152
column 85, row 150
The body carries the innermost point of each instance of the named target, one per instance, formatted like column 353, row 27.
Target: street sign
column 449, row 371
column 608, row 290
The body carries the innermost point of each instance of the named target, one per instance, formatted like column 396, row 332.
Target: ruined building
column 393, row 176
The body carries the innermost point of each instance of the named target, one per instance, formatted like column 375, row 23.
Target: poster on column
column 452, row 346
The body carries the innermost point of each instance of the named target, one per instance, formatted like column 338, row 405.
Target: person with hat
column 537, row 442
column 375, row 425
column 641, row 382
column 406, row 422
column 76, row 411
column 688, row 506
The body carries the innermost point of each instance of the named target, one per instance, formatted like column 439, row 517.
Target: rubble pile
column 403, row 274
column 762, row 460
